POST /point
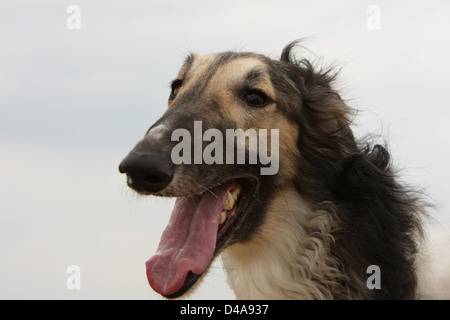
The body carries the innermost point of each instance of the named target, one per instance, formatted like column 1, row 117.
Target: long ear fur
column 378, row 218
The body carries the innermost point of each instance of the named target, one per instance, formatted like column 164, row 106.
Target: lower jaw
column 223, row 241
column 226, row 236
column 191, row 278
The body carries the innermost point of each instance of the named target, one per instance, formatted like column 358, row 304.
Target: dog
column 330, row 221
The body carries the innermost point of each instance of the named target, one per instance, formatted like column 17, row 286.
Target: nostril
column 147, row 172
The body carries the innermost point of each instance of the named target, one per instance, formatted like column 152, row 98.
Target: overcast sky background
column 74, row 102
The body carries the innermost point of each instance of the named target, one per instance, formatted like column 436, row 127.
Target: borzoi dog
column 268, row 174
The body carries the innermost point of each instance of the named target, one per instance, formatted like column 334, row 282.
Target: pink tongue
column 188, row 242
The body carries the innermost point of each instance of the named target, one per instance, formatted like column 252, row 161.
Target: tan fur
column 272, row 265
column 232, row 75
column 282, row 245
column 253, row 268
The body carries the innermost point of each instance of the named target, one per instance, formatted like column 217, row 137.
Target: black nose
column 147, row 172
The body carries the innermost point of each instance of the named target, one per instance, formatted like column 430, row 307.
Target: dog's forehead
column 225, row 66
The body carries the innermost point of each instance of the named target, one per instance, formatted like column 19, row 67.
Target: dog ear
column 300, row 77
column 325, row 138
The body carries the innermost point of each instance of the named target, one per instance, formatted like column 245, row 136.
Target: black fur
column 378, row 218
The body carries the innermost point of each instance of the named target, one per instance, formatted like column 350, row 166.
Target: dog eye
column 176, row 85
column 256, row 99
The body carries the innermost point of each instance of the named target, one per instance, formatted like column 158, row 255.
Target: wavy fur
column 345, row 211
column 334, row 208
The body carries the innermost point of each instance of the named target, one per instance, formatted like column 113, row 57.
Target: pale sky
column 74, row 102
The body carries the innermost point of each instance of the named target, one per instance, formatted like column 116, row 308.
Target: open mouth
column 198, row 230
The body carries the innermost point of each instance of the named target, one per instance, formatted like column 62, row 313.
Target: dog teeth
column 229, row 203
column 236, row 191
column 223, row 217
column 232, row 196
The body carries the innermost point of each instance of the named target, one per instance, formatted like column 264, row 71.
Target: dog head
column 238, row 127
